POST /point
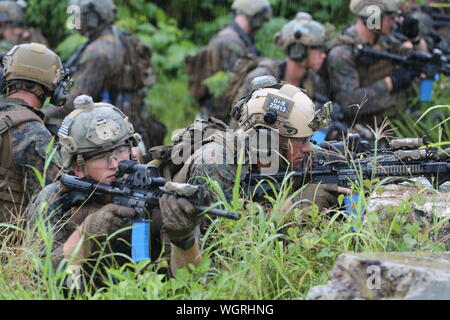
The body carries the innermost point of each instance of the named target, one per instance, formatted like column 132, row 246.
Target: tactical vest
column 368, row 74
column 11, row 176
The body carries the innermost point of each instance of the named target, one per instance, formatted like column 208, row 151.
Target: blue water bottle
column 350, row 203
column 140, row 241
column 426, row 88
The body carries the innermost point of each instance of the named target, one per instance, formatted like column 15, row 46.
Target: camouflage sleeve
column 345, row 85
column 47, row 208
column 29, row 143
column 214, row 161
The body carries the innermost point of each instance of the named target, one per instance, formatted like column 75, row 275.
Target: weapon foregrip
column 220, row 213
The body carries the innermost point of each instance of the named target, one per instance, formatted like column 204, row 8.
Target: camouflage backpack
column 184, row 140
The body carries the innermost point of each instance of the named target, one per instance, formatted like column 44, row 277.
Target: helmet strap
column 80, row 161
column 29, row 86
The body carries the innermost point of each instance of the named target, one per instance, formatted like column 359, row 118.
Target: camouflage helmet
column 303, row 29
column 93, row 126
column 104, row 9
column 364, row 8
column 251, row 7
column 283, row 108
column 11, row 12
column 33, row 62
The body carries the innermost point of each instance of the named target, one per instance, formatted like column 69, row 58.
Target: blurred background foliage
column 176, row 28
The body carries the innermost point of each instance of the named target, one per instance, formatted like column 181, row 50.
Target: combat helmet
column 12, row 13
column 93, row 126
column 300, row 34
column 26, row 65
column 364, row 8
column 259, row 11
column 281, row 107
column 95, row 14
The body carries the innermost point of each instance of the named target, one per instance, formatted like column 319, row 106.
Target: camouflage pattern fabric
column 99, row 70
column 64, row 220
column 28, row 144
column 224, row 50
column 312, row 83
column 354, row 83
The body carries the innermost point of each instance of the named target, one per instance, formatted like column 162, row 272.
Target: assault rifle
column 344, row 163
column 421, row 62
column 440, row 20
column 139, row 187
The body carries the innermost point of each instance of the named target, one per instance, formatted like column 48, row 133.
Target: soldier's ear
column 77, row 170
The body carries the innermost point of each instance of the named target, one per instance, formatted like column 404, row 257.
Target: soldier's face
column 102, row 165
column 387, row 24
column 316, row 57
column 297, row 148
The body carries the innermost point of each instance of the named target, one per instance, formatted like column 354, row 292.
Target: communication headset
column 61, row 93
column 297, row 51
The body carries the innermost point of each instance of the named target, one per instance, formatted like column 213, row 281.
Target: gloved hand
column 179, row 217
column 402, row 79
column 107, row 220
column 409, row 27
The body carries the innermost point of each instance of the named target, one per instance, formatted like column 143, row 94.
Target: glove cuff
column 186, row 243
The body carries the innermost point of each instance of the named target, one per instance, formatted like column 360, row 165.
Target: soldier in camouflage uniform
column 94, row 138
column 13, row 29
column 104, row 69
column 376, row 85
column 232, row 43
column 303, row 41
column 291, row 129
column 32, row 73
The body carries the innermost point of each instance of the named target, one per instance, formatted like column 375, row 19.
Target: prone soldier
column 94, row 138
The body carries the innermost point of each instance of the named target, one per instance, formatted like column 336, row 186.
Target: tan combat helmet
column 33, row 62
column 259, row 11
column 95, row 13
column 300, row 34
column 35, row 68
column 93, row 126
column 12, row 13
column 366, row 8
column 281, row 107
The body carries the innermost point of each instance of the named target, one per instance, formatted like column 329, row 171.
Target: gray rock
column 409, row 276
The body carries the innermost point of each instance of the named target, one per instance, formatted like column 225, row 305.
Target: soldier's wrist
column 185, row 243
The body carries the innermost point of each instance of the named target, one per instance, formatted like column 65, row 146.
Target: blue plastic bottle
column 140, row 241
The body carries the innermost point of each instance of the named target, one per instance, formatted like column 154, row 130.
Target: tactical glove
column 402, row 79
column 107, row 220
column 179, row 217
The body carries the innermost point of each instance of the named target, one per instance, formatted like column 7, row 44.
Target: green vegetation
column 265, row 255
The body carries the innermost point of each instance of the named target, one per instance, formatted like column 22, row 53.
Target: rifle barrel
column 220, row 213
